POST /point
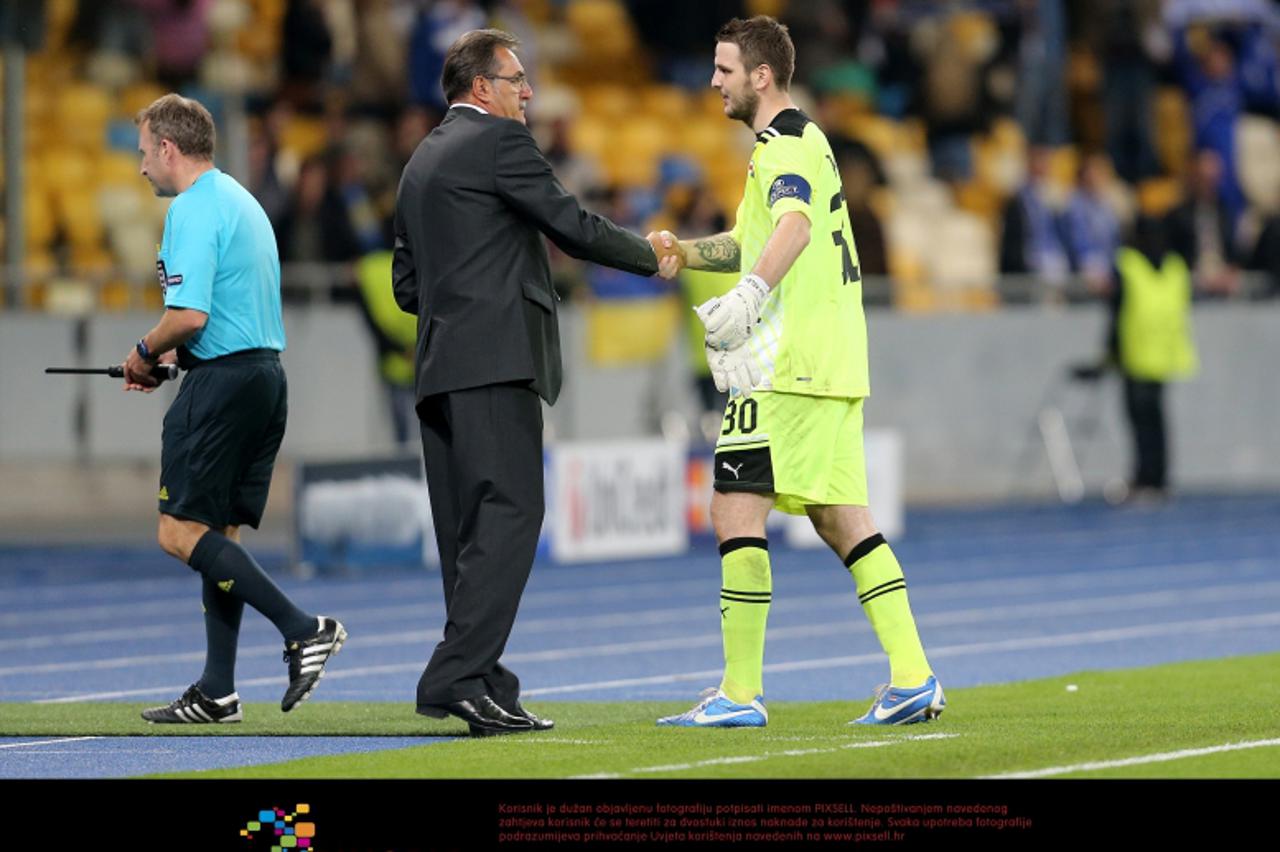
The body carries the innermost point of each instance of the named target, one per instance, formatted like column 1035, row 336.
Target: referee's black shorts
column 220, row 439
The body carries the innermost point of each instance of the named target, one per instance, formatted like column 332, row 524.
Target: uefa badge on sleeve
column 166, row 280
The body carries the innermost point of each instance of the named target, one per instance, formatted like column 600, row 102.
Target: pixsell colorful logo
column 278, row 831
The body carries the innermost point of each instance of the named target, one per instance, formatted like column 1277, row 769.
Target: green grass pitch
column 1206, row 719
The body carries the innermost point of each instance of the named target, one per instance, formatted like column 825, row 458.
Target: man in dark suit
column 474, row 202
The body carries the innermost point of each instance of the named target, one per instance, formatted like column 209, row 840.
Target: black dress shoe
column 482, row 715
column 539, row 724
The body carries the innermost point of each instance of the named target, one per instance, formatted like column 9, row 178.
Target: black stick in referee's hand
column 160, row 372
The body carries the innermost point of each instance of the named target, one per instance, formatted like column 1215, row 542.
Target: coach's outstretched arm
column 524, row 179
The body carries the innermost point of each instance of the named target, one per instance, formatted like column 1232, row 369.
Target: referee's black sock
column 222, row 612
column 234, row 571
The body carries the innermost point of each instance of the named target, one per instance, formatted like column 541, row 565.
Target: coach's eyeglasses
column 518, row 80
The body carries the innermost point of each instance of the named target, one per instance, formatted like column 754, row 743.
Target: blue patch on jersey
column 789, row 186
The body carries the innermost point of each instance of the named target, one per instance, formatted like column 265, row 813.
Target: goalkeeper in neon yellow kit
column 789, row 343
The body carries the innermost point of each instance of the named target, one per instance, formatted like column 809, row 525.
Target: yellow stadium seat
column 976, row 34
column 92, row 260
column 133, row 99
column 705, row 139
column 83, row 111
column 602, row 27
column 629, row 331
column 608, row 101
column 979, row 198
column 636, row 147
column 590, row 18
column 38, row 263
column 998, row 167
column 589, row 135
column 1173, row 130
column 80, row 218
column 845, row 109
column 1157, row 196
column 115, row 294
column 304, row 136
column 60, row 16
column 66, row 168
column 41, row 136
column 1006, row 134
column 666, row 103
column 709, row 103
column 116, row 168
column 642, row 136
column 727, row 189
column 876, row 132
column 38, row 220
column 773, row 8
column 152, row 298
column 1064, row 163
column 33, row 292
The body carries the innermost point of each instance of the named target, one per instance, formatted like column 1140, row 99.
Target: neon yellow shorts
column 804, row 450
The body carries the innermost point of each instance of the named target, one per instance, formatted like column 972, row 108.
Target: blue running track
column 1000, row 594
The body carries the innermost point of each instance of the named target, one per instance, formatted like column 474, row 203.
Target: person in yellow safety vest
column 396, row 335
column 1151, row 343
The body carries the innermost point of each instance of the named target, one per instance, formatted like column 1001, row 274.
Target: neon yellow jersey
column 812, row 336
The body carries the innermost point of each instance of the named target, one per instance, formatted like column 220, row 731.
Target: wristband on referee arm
column 145, row 353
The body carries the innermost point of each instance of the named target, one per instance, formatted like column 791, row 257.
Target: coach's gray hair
column 183, row 121
column 471, row 56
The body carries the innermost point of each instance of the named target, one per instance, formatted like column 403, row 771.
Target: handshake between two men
column 728, row 319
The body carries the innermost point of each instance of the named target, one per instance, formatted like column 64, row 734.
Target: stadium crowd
column 992, row 150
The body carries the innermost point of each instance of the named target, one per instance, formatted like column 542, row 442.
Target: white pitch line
column 756, row 758
column 49, row 742
column 668, row 590
column 1133, row 761
column 812, row 603
column 1062, row 640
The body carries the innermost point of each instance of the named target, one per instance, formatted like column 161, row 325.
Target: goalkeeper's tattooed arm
column 714, row 254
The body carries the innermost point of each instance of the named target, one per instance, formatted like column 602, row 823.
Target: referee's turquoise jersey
column 219, row 256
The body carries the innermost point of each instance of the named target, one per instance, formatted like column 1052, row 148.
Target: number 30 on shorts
column 740, row 417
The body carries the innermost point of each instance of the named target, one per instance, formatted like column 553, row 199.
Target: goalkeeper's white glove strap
column 730, row 318
column 735, row 371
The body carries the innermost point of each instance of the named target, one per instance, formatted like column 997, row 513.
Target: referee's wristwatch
column 144, row 353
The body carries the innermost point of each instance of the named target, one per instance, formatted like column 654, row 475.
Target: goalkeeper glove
column 730, row 318
column 735, row 370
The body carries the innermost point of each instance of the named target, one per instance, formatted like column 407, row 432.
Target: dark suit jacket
column 474, row 202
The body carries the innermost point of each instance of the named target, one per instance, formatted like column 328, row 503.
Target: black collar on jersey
column 789, row 122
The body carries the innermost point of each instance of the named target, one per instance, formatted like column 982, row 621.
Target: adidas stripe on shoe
column 306, row 659
column 196, row 708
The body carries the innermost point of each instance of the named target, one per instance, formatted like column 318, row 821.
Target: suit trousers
column 483, row 452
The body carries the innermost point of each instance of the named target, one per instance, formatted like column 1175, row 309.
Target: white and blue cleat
column 717, row 710
column 895, row 705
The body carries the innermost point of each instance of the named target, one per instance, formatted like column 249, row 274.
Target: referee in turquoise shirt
column 220, row 273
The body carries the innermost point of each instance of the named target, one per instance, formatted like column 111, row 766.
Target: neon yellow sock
column 744, row 610
column 882, row 590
